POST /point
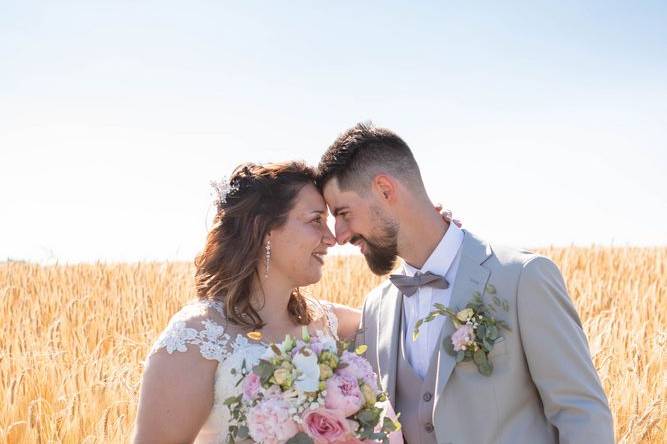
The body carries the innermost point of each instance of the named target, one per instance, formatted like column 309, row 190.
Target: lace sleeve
column 194, row 325
column 331, row 318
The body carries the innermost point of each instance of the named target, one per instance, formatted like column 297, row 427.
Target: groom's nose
column 343, row 233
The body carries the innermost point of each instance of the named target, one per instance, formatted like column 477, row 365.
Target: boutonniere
column 476, row 329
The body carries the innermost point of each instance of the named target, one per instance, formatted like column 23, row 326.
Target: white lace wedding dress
column 201, row 324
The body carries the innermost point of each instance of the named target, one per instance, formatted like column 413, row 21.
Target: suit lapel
column 389, row 323
column 471, row 277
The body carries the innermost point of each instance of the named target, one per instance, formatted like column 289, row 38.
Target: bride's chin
column 314, row 277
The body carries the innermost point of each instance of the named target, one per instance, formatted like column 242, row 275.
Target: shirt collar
column 443, row 256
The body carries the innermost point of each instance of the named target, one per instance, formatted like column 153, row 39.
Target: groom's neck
column 422, row 229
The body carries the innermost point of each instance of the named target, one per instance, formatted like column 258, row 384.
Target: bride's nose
column 328, row 238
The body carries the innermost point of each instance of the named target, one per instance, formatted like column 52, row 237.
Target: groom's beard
column 381, row 249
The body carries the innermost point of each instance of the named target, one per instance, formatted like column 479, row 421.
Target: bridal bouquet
column 310, row 390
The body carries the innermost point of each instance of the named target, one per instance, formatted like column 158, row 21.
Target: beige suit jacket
column 544, row 388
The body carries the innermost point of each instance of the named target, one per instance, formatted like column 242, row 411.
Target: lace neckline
column 331, row 321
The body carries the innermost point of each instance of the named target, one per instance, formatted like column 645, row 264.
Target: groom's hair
column 364, row 151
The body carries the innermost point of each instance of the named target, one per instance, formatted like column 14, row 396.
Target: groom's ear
column 385, row 187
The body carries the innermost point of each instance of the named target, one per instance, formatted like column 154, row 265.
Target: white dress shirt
column 443, row 261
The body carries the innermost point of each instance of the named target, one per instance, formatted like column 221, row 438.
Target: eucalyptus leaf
column 243, row 432
column 460, row 356
column 481, row 331
column 479, row 357
column 486, row 368
column 488, row 346
column 492, row 332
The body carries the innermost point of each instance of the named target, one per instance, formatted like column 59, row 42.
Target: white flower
column 309, row 372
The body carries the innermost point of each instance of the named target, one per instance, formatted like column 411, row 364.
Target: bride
column 268, row 238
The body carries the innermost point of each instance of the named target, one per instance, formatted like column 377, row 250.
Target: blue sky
column 539, row 123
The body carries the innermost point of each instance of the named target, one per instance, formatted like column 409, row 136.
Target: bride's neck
column 270, row 298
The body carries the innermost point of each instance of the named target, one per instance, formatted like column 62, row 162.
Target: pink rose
column 251, row 385
column 463, row 337
column 326, row 426
column 358, row 368
column 344, row 395
column 269, row 422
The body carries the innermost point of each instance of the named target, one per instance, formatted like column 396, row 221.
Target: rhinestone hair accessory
column 222, row 190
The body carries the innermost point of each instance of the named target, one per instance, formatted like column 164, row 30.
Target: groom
column 543, row 387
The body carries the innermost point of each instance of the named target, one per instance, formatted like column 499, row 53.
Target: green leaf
column 305, row 335
column 243, row 432
column 264, row 370
column 492, row 332
column 232, row 400
column 460, row 356
column 479, row 357
column 300, row 438
column 490, row 289
column 481, row 332
column 485, row 369
column 488, row 346
column 389, row 425
column 369, row 416
column 482, row 362
column 440, row 307
column 448, row 346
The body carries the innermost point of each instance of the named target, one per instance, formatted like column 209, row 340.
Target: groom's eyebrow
column 337, row 210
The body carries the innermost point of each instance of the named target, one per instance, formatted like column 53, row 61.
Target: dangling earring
column 267, row 258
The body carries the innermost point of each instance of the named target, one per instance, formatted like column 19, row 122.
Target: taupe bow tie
column 408, row 285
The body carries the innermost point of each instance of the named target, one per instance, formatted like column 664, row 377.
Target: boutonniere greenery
column 476, row 329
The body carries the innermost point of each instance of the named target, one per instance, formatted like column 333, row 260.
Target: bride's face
column 299, row 246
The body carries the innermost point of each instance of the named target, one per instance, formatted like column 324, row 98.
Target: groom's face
column 361, row 221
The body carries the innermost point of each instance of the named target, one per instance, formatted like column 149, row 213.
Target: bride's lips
column 319, row 257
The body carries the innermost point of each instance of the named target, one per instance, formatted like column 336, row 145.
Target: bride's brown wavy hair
column 258, row 200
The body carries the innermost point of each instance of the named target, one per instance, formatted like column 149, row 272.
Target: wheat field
column 74, row 337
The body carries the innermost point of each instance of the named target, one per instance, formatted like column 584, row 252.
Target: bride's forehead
column 311, row 197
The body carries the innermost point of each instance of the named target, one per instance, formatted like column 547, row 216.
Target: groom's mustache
column 354, row 240
column 370, row 244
